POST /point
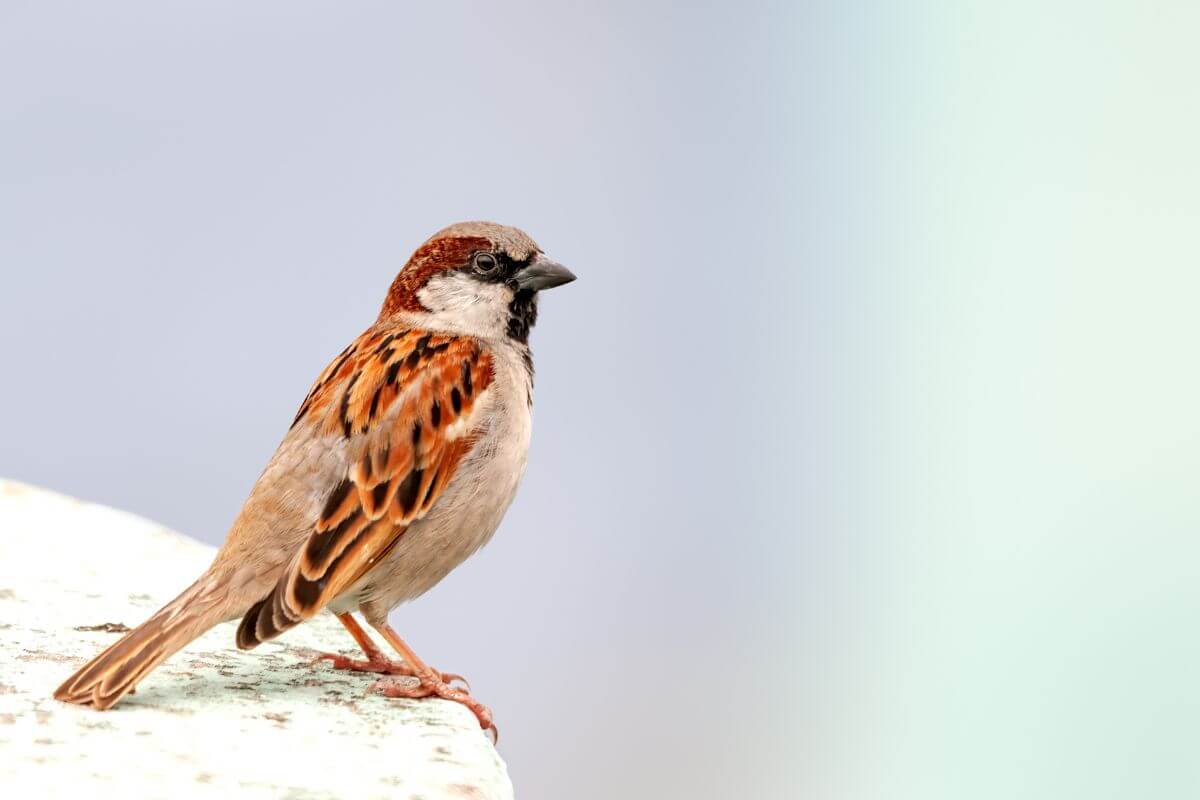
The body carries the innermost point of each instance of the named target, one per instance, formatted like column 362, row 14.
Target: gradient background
column 866, row 444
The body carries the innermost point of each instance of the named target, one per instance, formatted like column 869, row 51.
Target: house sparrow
column 400, row 463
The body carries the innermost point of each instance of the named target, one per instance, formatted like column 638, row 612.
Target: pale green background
column 866, row 444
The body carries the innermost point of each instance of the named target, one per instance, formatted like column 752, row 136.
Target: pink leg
column 376, row 660
column 431, row 683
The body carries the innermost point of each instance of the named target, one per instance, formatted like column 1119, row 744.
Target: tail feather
column 267, row 618
column 247, row 635
column 115, row 672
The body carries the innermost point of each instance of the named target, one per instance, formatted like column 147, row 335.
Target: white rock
column 211, row 721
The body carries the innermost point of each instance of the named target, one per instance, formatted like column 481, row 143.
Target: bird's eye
column 485, row 263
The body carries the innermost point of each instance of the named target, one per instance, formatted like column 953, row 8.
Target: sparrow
column 400, row 464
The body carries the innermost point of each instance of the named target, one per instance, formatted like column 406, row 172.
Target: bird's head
column 474, row 278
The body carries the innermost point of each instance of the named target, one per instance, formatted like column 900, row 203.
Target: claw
column 451, row 677
column 429, row 685
column 429, row 682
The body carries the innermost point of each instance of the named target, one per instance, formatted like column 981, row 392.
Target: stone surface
column 211, row 721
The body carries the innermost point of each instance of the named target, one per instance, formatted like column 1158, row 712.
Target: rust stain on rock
column 105, row 627
column 45, row 655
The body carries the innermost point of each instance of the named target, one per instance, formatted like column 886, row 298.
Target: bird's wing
column 407, row 401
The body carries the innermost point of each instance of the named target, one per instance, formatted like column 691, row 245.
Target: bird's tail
column 111, row 675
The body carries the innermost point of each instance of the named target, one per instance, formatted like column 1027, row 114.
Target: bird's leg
column 430, row 682
column 376, row 660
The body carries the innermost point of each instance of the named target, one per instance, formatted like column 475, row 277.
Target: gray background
column 866, row 445
column 202, row 203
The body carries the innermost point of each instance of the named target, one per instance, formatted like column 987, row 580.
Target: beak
column 542, row 273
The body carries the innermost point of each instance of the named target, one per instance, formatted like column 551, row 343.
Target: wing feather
column 406, row 402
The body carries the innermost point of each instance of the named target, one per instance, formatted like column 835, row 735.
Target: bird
column 399, row 464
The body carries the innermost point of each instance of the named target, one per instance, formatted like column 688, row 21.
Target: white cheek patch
column 459, row 302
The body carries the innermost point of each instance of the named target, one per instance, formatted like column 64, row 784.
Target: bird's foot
column 382, row 665
column 430, row 685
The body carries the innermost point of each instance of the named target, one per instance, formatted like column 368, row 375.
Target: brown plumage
column 401, row 472
column 399, row 464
